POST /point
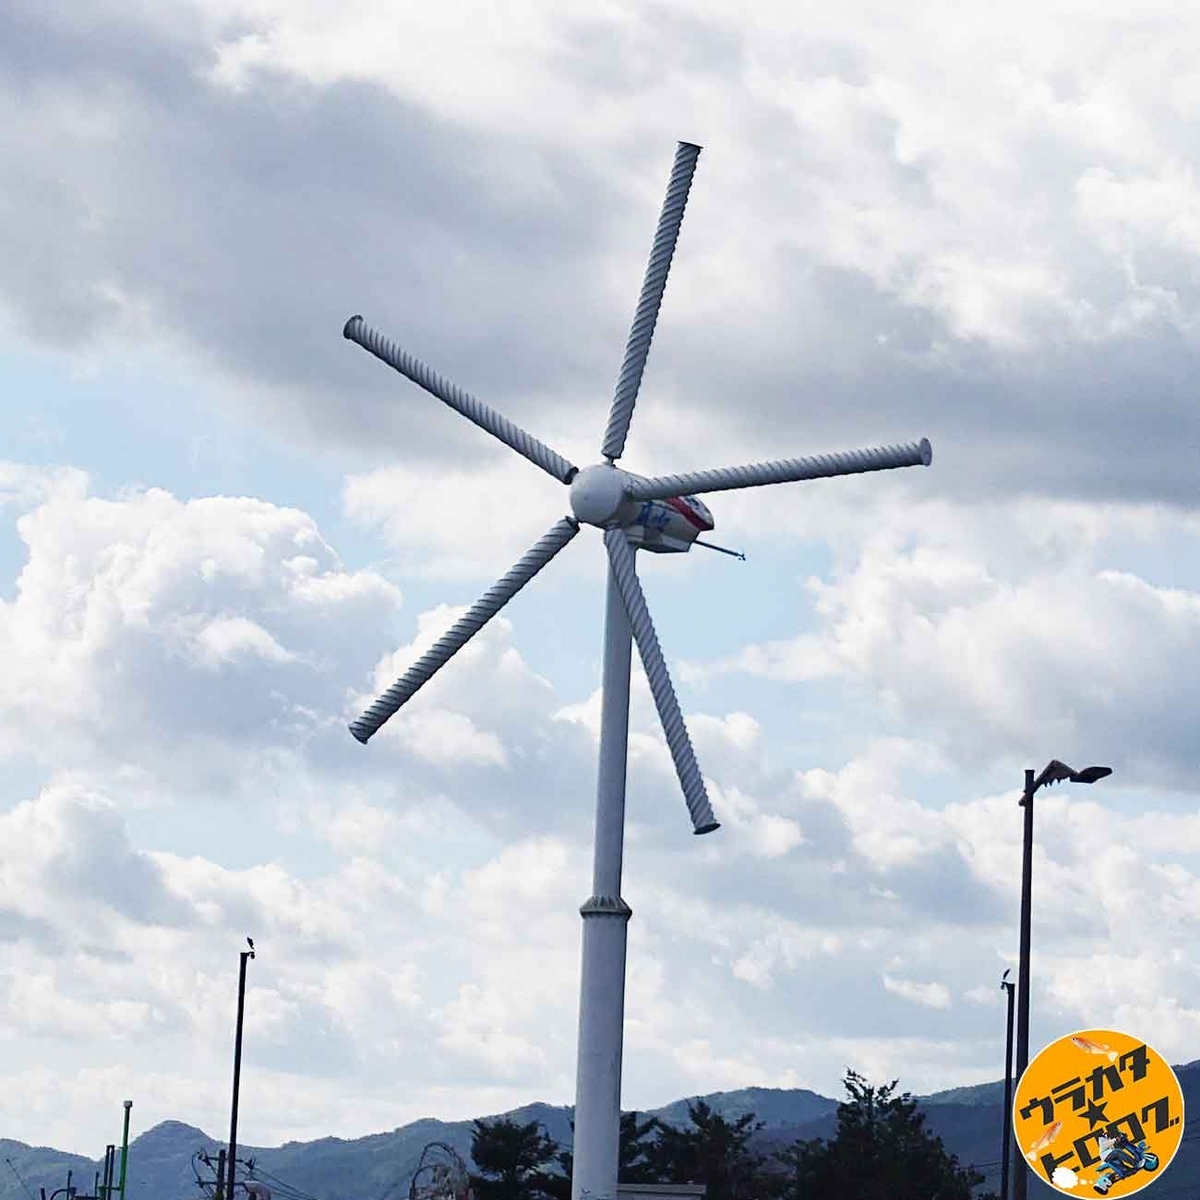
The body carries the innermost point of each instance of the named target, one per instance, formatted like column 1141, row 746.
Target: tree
column 513, row 1160
column 636, row 1151
column 634, row 1164
column 711, row 1151
column 882, row 1151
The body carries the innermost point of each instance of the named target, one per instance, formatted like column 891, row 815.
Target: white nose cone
column 597, row 494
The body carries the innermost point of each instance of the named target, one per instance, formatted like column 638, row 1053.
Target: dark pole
column 124, row 1149
column 1008, row 1086
column 220, row 1185
column 237, row 1071
column 1021, row 1179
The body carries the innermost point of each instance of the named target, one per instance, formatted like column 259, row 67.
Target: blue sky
column 223, row 527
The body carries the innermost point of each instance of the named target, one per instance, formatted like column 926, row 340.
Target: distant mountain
column 378, row 1167
column 981, row 1093
column 40, row 1166
column 773, row 1106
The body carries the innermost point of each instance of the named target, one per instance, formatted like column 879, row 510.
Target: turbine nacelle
column 599, row 496
column 670, row 526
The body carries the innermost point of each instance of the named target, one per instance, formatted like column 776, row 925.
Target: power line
column 287, row 1190
column 13, row 1168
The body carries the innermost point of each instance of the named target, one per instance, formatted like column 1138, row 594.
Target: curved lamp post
column 231, row 1165
column 1053, row 772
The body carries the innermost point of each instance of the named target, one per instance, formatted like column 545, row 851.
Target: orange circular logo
column 1098, row 1112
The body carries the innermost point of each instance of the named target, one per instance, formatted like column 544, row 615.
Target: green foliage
column 513, row 1161
column 711, row 1151
column 634, row 1164
column 882, row 1151
column 637, row 1149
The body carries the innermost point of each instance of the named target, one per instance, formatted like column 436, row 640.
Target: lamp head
column 1058, row 772
column 1055, row 772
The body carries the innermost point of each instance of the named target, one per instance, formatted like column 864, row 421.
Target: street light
column 1008, row 1047
column 237, row 1068
column 1054, row 772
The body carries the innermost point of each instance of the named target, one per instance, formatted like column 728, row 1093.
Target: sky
column 223, row 528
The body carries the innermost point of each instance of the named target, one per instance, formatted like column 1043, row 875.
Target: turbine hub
column 598, row 494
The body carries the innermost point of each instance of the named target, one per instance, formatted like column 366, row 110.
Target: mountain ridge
column 380, row 1164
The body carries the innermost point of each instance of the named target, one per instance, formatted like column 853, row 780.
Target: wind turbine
column 659, row 514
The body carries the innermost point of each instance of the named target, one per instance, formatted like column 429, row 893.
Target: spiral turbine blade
column 465, row 628
column 653, row 286
column 620, row 554
column 538, row 453
column 816, row 466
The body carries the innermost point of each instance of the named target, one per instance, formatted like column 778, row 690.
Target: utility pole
column 231, row 1161
column 217, row 1182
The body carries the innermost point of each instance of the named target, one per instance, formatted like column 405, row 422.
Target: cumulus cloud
column 78, row 839
column 878, row 224
column 160, row 634
column 394, row 956
column 456, row 949
column 444, row 523
column 992, row 245
column 23, row 486
column 989, row 640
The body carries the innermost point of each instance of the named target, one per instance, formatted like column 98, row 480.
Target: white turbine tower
column 659, row 514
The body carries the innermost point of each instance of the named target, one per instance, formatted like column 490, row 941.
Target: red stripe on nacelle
column 684, row 509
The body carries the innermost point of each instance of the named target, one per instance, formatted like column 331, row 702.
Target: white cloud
column 991, row 640
column 458, row 907
column 768, row 835
column 477, row 960
column 446, row 523
column 887, row 830
column 983, row 995
column 78, row 839
column 933, row 995
column 975, row 256
column 1005, row 221
column 783, row 944
column 476, row 1025
column 447, row 738
column 23, row 486
column 902, row 224
column 149, row 631
column 226, row 639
